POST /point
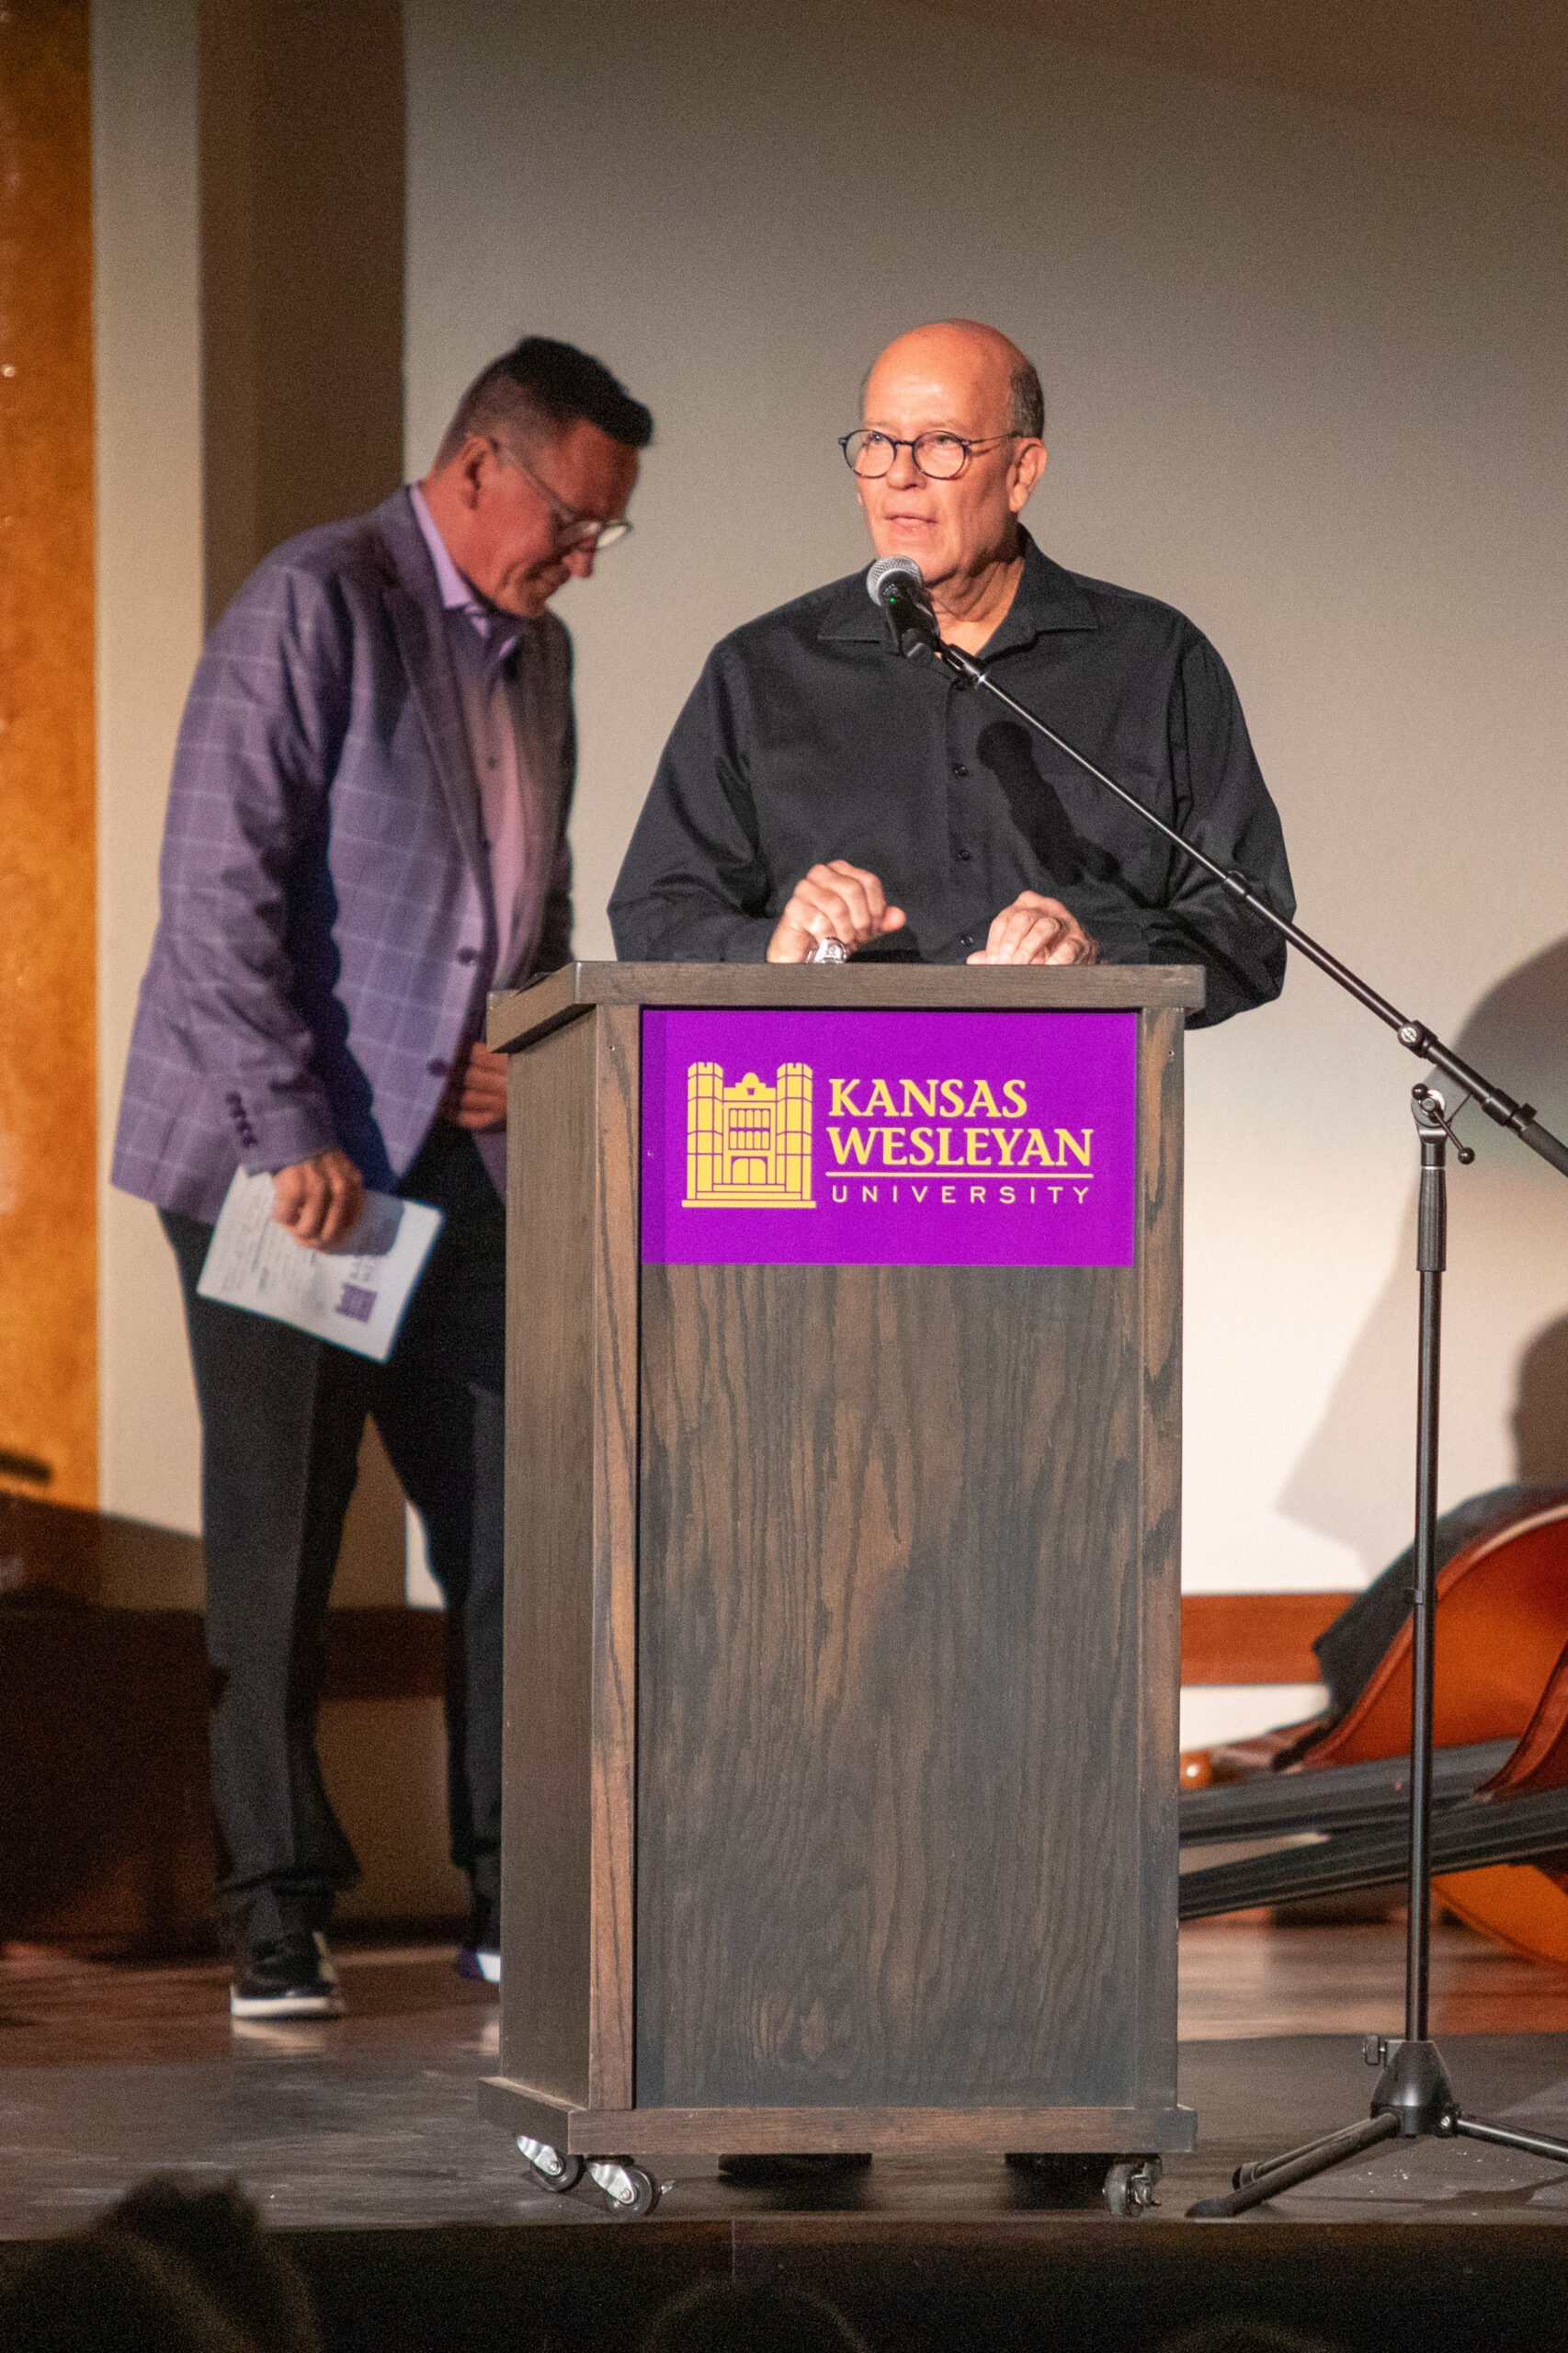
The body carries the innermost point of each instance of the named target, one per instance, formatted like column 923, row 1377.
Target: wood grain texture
column 886, row 2131
column 517, row 1015
column 546, row 1748
column 862, row 1582
column 570, row 1561
column 1157, row 1577
column 889, row 1756
column 48, row 817
column 613, row 1568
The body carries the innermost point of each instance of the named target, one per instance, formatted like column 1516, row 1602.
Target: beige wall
column 1304, row 378
column 149, row 584
column 1303, row 371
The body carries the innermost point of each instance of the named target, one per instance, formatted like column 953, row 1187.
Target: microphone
column 896, row 586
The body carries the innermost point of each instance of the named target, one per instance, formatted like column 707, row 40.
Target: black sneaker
column 478, row 1955
column 291, row 1979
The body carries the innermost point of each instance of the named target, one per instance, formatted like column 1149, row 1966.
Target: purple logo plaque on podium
column 842, row 1138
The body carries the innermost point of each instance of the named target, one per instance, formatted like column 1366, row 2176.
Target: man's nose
column 904, row 471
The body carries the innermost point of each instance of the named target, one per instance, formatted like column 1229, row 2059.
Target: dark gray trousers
column 282, row 1415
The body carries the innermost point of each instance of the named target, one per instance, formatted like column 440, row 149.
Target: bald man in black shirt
column 818, row 786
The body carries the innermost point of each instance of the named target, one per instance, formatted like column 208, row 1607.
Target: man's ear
column 1029, row 464
column 468, row 466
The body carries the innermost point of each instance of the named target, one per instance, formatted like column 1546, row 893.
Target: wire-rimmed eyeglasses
column 940, row 456
column 573, row 527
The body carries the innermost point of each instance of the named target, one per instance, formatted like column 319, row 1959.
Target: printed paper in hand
column 354, row 1293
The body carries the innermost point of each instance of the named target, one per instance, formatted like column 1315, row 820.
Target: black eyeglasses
column 942, row 456
column 572, row 529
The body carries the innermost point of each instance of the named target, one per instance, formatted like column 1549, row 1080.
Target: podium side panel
column 546, row 1927
column 1160, row 1126
column 617, row 1081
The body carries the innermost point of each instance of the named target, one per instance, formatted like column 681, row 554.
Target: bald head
column 952, row 418
column 971, row 358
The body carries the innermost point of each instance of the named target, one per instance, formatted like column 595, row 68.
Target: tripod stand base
column 1414, row 2101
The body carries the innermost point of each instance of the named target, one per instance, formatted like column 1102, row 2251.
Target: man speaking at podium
column 817, row 785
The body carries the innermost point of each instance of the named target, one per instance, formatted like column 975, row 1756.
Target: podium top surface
column 519, row 1016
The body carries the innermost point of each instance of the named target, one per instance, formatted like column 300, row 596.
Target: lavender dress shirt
column 484, row 642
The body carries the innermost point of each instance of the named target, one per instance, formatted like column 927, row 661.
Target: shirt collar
column 1048, row 599
column 498, row 631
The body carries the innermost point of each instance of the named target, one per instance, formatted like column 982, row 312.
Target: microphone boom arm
column 1415, row 1035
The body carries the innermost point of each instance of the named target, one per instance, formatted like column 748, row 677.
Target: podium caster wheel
column 548, row 2168
column 1130, row 2185
column 627, row 2191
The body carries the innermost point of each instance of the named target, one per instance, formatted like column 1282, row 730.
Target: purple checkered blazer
column 326, row 936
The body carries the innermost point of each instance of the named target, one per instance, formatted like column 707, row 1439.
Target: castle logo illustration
column 749, row 1146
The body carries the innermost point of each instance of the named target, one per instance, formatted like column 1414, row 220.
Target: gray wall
column 1304, row 378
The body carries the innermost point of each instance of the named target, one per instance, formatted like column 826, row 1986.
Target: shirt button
column 966, row 939
column 437, row 1069
column 966, row 853
column 959, row 768
column 470, row 955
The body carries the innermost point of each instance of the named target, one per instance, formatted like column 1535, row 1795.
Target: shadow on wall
column 1505, row 1309
column 1541, row 1411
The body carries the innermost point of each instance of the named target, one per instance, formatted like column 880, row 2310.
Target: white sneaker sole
column 328, row 2005
column 489, row 1967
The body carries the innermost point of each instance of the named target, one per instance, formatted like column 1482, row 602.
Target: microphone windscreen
column 891, row 567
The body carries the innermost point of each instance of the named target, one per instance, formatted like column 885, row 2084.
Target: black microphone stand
column 1413, row 2098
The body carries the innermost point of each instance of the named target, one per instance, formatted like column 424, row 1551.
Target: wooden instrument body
column 1502, row 1673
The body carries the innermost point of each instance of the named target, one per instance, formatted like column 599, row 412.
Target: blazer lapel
column 538, row 779
column 414, row 606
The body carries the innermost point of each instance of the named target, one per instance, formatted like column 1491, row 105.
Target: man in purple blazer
column 366, row 832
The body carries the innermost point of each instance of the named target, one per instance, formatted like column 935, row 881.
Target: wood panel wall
column 48, row 869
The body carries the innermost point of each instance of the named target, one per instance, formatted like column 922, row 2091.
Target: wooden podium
column 842, row 1598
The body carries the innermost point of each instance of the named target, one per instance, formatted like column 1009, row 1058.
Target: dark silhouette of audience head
column 722, row 2318
column 167, row 2270
column 216, row 2235
column 82, row 2295
column 1239, row 2333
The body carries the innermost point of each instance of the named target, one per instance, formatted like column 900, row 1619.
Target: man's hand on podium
column 1036, row 931
column 833, row 902
column 476, row 1091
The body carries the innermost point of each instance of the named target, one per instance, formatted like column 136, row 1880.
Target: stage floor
column 111, row 2071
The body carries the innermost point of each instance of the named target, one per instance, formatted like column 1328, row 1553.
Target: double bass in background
column 1341, row 1780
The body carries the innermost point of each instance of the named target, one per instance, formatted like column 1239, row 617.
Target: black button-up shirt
column 808, row 738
